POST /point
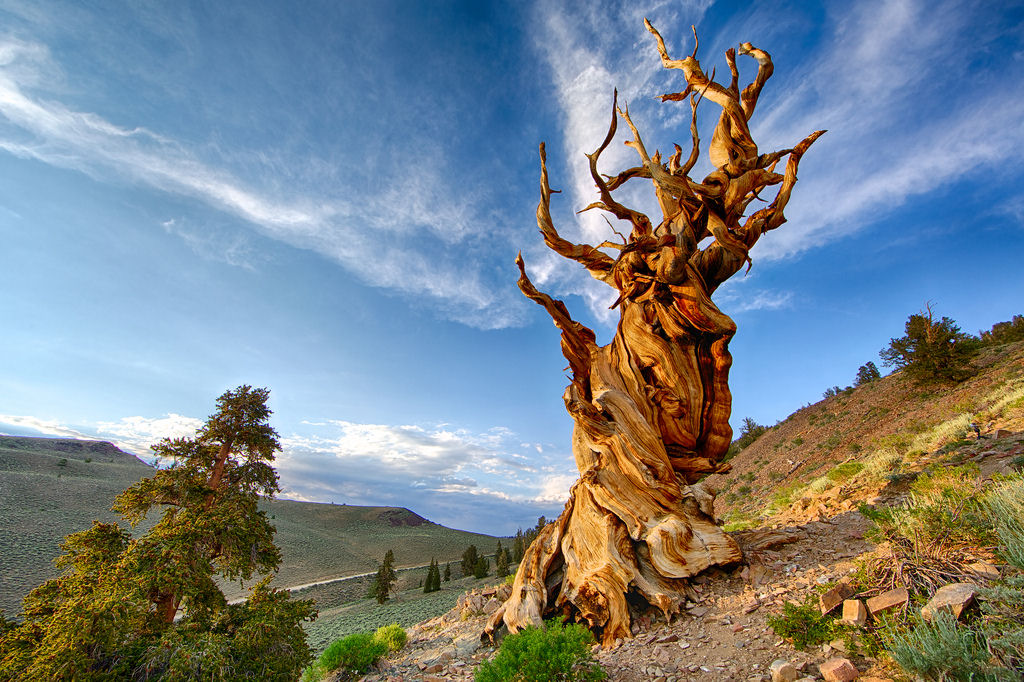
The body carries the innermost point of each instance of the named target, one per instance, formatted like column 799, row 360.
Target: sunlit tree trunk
column 651, row 409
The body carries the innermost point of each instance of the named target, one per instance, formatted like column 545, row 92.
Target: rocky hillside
column 792, row 498
column 826, row 451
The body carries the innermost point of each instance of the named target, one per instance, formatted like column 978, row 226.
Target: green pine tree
column 518, row 547
column 154, row 603
column 481, row 568
column 433, row 581
column 501, row 561
column 447, row 572
column 469, row 559
column 385, row 579
column 932, row 350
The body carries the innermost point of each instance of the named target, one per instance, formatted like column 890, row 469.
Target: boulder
column 952, row 598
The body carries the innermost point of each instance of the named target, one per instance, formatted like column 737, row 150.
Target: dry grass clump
column 932, row 536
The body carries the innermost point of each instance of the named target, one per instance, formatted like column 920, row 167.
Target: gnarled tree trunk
column 651, row 409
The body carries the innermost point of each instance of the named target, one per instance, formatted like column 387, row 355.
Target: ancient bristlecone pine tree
column 651, row 409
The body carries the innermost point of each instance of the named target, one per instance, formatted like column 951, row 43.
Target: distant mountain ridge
column 50, row 487
column 86, row 448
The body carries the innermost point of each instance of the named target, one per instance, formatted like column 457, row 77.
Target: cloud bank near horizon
column 488, row 482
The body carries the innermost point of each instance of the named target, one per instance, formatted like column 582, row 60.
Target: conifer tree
column 932, row 350
column 447, row 572
column 867, row 373
column 433, row 581
column 481, row 568
column 469, row 559
column 518, row 547
column 385, row 579
column 153, row 603
column 501, row 561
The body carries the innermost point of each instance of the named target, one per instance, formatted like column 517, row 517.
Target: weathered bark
column 651, row 409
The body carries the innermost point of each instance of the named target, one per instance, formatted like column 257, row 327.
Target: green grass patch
column 844, row 471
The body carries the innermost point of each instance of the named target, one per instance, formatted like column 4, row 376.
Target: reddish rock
column 888, row 600
column 1003, row 433
column 832, row 598
column 839, row 670
column 854, row 612
column 952, row 598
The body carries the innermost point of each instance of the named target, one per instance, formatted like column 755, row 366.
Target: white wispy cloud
column 357, row 231
column 897, row 85
column 45, row 427
column 136, row 434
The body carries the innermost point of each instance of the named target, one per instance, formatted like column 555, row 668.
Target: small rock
column 697, row 611
column 684, row 645
column 838, row 670
column 984, row 570
column 888, row 600
column 667, row 639
column 783, row 671
column 832, row 598
column 431, row 669
column 953, row 598
column 854, row 612
column 1003, row 433
column 737, row 628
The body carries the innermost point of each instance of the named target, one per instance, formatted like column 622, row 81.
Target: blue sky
column 326, row 198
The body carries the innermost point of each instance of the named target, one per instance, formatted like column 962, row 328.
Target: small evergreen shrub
column 803, row 624
column 556, row 652
column 392, row 636
column 354, row 654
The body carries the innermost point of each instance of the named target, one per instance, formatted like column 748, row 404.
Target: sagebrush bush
column 555, row 652
column 948, row 507
column 392, row 636
column 942, row 650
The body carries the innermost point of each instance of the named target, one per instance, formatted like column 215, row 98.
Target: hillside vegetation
column 51, row 487
column 827, row 456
